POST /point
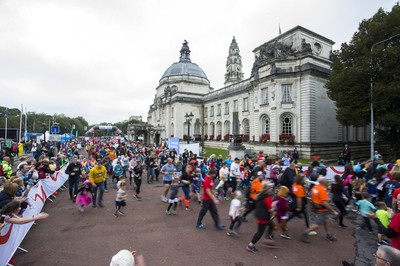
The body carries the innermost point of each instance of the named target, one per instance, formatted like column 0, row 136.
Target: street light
column 188, row 117
column 372, row 102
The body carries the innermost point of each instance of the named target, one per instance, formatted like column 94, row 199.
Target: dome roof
column 184, row 66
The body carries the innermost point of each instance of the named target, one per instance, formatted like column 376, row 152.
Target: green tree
column 353, row 67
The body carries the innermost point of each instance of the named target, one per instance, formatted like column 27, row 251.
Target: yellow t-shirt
column 383, row 217
column 98, row 175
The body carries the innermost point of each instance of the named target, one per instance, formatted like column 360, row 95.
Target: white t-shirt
column 235, row 203
column 120, row 195
column 235, row 169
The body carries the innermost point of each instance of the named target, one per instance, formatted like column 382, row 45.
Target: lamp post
column 188, row 117
column 372, row 102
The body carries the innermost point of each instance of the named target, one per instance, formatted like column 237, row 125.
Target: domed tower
column 233, row 64
column 180, row 91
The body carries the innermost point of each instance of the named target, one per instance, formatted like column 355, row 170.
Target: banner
column 173, row 144
column 12, row 235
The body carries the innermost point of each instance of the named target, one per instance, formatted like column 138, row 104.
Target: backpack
column 41, row 172
column 315, row 173
column 14, row 148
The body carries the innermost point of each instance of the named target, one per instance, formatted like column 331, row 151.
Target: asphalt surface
column 69, row 237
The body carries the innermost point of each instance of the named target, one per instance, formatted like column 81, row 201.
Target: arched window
column 246, row 126
column 287, row 123
column 197, row 127
column 265, row 124
column 227, row 127
column 212, row 129
column 172, row 129
column 219, row 128
column 206, row 129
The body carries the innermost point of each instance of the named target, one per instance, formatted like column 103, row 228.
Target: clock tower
column 233, row 64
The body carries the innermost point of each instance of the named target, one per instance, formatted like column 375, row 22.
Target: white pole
column 20, row 123
column 26, row 122
column 5, row 135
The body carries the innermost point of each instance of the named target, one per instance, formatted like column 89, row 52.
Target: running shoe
column 106, row 190
column 385, row 242
column 163, row 198
column 115, row 215
column 232, row 233
column 312, row 233
column 330, row 237
column 285, row 236
column 342, row 225
column 200, row 226
column 304, row 237
column 271, row 237
column 138, row 197
column 251, row 249
column 121, row 213
column 168, row 212
column 188, row 209
column 220, row 227
column 81, row 209
column 101, row 204
column 94, row 205
column 174, row 212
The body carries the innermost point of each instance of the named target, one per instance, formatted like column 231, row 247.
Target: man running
column 167, row 171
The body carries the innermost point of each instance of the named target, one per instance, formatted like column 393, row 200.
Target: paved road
column 68, row 237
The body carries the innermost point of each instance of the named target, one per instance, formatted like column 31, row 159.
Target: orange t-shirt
column 299, row 190
column 319, row 195
column 255, row 188
column 112, row 155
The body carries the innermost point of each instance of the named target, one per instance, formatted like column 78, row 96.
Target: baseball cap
column 123, row 258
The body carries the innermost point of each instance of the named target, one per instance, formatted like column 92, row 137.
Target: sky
column 103, row 59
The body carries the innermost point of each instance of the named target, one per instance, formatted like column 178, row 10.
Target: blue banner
column 173, row 144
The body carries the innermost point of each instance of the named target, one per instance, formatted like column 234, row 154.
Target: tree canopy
column 353, row 68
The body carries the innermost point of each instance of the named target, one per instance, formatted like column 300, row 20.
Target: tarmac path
column 69, row 237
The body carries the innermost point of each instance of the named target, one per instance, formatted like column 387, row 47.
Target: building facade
column 284, row 102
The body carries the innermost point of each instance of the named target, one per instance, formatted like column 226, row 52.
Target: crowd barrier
column 12, row 235
column 331, row 171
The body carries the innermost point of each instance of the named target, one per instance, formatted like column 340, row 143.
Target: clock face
column 238, row 68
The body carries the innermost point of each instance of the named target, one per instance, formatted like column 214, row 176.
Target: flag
column 280, row 31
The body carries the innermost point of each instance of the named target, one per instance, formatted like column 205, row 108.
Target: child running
column 366, row 209
column 82, row 198
column 197, row 179
column 282, row 209
column 120, row 199
column 173, row 196
column 384, row 217
column 234, row 213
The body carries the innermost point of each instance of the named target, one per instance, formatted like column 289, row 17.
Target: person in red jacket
column 263, row 216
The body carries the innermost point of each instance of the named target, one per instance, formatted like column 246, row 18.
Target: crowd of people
column 276, row 191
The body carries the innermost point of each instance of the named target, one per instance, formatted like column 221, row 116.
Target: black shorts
column 167, row 182
column 120, row 203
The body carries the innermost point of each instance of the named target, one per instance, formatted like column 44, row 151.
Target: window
column 219, row 109
column 246, row 127
column 287, row 93
column 227, row 127
column 235, row 106
column 212, row 111
column 205, row 112
column 246, row 104
column 172, row 112
column 287, row 124
column 264, row 96
column 197, row 127
column 265, row 125
column 227, row 108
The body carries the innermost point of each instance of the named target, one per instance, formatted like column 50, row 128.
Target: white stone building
column 284, row 98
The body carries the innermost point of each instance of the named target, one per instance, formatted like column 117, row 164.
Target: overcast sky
column 103, row 59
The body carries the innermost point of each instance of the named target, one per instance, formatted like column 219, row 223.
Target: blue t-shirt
column 366, row 207
column 389, row 187
column 170, row 169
